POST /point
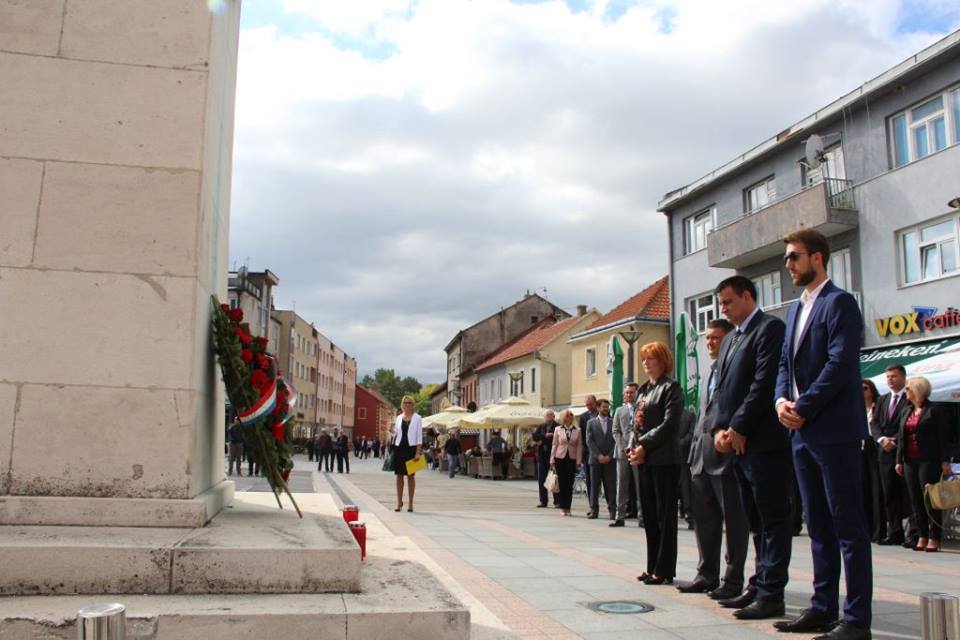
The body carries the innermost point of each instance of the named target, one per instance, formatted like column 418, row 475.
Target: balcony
column 828, row 207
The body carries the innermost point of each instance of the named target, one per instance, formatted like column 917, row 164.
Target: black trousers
column 917, row 473
column 603, row 475
column 686, row 492
column 343, row 458
column 763, row 478
column 658, row 489
column 872, row 493
column 894, row 490
column 566, row 470
column 718, row 508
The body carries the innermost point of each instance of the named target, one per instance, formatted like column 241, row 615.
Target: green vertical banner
column 686, row 350
column 615, row 372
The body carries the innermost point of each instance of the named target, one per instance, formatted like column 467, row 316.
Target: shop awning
column 937, row 360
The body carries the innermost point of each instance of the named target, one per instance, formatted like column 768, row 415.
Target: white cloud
column 500, row 147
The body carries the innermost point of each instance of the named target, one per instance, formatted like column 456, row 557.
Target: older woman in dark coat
column 655, row 446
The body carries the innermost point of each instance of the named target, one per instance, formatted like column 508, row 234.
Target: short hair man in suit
column 890, row 409
column 626, row 472
column 745, row 422
column 717, row 507
column 591, row 403
column 819, row 399
column 603, row 466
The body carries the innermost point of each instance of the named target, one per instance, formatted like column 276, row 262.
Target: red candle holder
column 351, row 512
column 359, row 530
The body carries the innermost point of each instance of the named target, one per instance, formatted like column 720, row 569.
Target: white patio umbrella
column 512, row 412
column 447, row 419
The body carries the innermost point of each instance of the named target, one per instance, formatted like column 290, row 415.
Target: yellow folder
column 417, row 464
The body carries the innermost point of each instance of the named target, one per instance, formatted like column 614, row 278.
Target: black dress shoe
column 760, row 609
column 741, row 601
column 697, row 586
column 541, row 506
column 725, row 592
column 654, row 580
column 808, row 621
column 909, row 543
column 616, row 523
column 591, row 516
column 844, row 631
column 891, row 540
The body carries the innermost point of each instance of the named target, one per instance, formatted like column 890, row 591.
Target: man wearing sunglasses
column 820, row 401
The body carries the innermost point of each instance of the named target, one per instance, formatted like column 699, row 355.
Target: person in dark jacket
column 324, row 452
column 688, row 421
column 891, row 408
column 452, row 448
column 656, row 447
column 923, row 457
column 543, row 440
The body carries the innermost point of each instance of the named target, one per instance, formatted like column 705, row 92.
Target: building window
column 840, row 270
column 533, row 379
column 760, row 195
column 768, row 290
column 703, row 309
column 929, row 251
column 925, row 128
column 696, row 228
column 591, row 360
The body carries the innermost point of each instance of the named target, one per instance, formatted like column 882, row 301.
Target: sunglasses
column 793, row 256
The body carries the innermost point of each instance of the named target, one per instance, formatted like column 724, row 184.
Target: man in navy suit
column 820, row 400
column 745, row 422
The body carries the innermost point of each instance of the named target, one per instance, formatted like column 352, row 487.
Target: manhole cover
column 621, row 606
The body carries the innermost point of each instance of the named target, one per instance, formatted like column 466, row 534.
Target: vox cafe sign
column 920, row 320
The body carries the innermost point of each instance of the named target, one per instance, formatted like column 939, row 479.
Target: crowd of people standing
column 784, row 406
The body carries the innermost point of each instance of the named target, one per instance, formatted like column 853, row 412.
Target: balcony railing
column 827, row 206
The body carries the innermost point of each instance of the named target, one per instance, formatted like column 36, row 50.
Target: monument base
column 115, row 512
column 249, row 547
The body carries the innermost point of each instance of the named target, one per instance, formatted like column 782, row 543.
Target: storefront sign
column 920, row 320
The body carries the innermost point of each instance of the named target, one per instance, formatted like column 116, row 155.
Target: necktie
column 893, row 405
column 712, row 382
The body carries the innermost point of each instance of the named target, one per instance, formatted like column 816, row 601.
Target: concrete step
column 398, row 599
column 249, row 547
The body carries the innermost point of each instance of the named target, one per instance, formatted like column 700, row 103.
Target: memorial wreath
column 262, row 400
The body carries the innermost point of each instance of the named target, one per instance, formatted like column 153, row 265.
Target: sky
column 408, row 168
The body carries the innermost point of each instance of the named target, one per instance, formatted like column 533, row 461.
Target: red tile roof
column 652, row 302
column 529, row 342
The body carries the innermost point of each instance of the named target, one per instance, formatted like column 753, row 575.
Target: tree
column 388, row 384
column 422, row 399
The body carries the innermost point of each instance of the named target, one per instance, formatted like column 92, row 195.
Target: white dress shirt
column 807, row 300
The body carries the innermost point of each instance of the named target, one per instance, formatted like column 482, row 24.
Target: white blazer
column 414, row 431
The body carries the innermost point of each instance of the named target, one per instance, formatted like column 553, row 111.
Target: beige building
column 299, row 349
column 536, row 366
column 336, row 387
column 642, row 318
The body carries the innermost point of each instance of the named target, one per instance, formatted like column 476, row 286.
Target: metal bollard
column 939, row 616
column 102, row 622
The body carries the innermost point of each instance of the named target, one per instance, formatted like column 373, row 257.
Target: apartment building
column 252, row 292
column 336, row 386
column 299, row 349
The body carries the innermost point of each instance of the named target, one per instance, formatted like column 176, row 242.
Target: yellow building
column 536, row 365
column 642, row 318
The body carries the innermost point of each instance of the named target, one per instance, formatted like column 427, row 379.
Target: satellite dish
column 813, row 151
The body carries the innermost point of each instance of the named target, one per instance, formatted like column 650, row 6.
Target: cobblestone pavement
column 539, row 572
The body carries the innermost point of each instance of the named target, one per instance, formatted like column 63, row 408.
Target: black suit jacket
column 544, row 444
column 582, row 421
column 884, row 425
column 933, row 434
column 660, row 435
column 746, row 384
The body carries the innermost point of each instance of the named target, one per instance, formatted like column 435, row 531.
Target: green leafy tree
column 391, row 386
column 423, row 400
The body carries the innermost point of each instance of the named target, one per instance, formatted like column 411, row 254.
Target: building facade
column 252, row 292
column 536, row 367
column 299, row 346
column 876, row 172
column 642, row 318
column 373, row 414
column 336, row 387
column 479, row 340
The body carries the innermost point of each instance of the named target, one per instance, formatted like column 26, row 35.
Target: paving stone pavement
column 537, row 571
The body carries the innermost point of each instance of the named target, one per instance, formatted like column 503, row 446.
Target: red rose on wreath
column 236, row 314
column 259, row 380
column 243, row 335
column 247, row 356
column 262, row 342
column 263, row 361
column 278, row 431
column 225, row 308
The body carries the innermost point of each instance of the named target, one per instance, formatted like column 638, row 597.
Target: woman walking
column 656, row 447
column 408, row 444
column 563, row 458
column 922, row 457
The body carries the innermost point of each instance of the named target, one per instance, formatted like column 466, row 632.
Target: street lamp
column 955, row 203
column 630, row 337
column 515, row 377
